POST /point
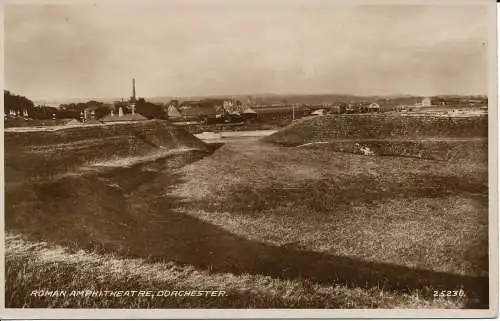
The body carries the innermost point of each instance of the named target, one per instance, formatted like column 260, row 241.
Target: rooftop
column 125, row 117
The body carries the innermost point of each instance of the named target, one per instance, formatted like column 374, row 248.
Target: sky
column 222, row 48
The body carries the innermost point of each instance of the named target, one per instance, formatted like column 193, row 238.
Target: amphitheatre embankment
column 437, row 137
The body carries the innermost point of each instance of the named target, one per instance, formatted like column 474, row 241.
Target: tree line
column 20, row 105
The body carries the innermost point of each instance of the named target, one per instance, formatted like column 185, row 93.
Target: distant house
column 248, row 114
column 426, row 102
column 213, row 111
column 336, row 109
column 89, row 113
column 199, row 113
column 228, row 106
column 231, row 107
column 126, row 117
column 221, row 110
column 73, row 122
column 120, row 117
column 373, row 107
column 173, row 112
column 339, row 108
column 318, row 112
column 401, row 107
column 248, row 111
column 351, row 108
column 202, row 110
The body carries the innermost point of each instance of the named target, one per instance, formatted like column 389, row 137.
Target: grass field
column 378, row 220
column 303, row 195
column 272, row 226
column 41, row 266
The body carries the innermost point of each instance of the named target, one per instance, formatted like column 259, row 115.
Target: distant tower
column 133, row 90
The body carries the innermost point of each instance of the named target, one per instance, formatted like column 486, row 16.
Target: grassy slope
column 38, row 266
column 335, row 195
column 273, row 226
column 407, row 212
column 31, row 155
column 383, row 126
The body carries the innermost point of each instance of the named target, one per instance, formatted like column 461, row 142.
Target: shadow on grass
column 130, row 211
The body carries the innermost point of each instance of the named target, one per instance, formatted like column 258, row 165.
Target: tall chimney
column 133, row 89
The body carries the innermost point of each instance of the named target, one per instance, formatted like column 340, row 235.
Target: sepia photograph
column 264, row 157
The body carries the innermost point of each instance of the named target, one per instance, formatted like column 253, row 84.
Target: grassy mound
column 471, row 150
column 379, row 126
column 36, row 154
column 273, row 226
column 427, row 137
column 76, row 185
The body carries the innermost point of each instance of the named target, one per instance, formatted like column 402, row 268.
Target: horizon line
column 88, row 98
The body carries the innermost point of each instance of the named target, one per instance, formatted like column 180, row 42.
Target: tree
column 101, row 112
column 64, row 113
column 210, row 103
column 174, row 102
column 43, row 112
column 17, row 103
column 149, row 110
column 94, row 103
column 79, row 107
